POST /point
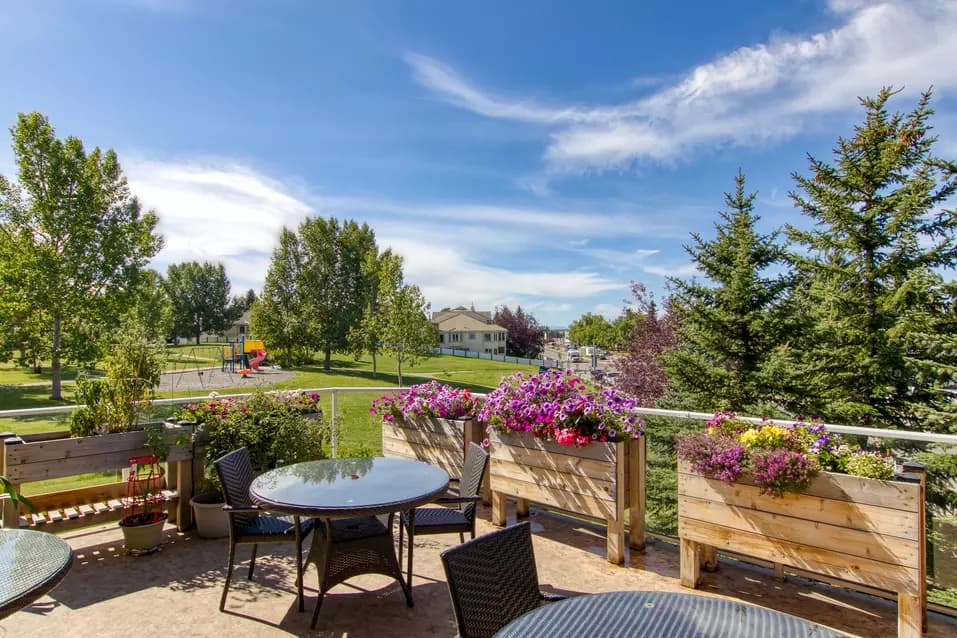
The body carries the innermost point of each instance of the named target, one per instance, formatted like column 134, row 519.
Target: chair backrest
column 236, row 474
column 492, row 580
column 476, row 464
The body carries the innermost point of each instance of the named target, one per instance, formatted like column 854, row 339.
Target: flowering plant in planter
column 780, row 459
column 556, row 406
column 432, row 399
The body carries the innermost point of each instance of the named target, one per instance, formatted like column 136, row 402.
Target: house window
column 441, row 338
column 455, row 337
column 488, row 337
column 471, row 336
column 242, row 330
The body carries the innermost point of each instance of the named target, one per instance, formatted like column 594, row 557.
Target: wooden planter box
column 600, row 480
column 28, row 459
column 850, row 528
column 439, row 442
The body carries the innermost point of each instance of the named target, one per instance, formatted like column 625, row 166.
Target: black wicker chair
column 247, row 523
column 493, row 580
column 448, row 520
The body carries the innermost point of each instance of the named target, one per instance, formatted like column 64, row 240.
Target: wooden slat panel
column 886, row 549
column 43, row 470
column 842, row 487
column 91, row 494
column 553, row 479
column 429, row 439
column 446, row 459
column 132, row 443
column 561, row 499
column 602, row 470
column 442, row 427
column 851, row 568
column 595, row 451
column 882, row 520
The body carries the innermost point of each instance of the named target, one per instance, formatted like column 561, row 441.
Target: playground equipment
column 247, row 354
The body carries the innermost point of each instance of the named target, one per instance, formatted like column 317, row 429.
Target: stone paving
column 176, row 591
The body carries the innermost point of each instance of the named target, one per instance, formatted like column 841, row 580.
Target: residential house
column 470, row 329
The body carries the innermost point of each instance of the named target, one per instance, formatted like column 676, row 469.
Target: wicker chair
column 247, row 523
column 493, row 580
column 448, row 520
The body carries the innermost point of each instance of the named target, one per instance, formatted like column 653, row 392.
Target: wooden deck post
column 498, row 509
column 184, row 487
column 10, row 511
column 690, row 563
column 615, row 543
column 636, row 493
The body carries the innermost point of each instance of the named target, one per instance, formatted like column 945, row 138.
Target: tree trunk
column 56, row 392
column 288, row 357
column 398, row 362
column 198, row 333
column 327, row 363
column 373, row 366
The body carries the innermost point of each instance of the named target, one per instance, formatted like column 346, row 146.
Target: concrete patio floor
column 176, row 590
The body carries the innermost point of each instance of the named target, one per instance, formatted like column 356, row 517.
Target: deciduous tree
column 407, row 333
column 333, row 280
column 592, row 330
column 384, row 274
column 280, row 316
column 75, row 241
column 526, row 338
column 641, row 371
column 199, row 293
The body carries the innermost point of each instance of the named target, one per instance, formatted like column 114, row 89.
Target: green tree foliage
column 151, row 307
column 384, row 275
column 199, row 293
column 592, row 330
column 624, row 327
column 883, row 320
column 75, row 243
column 407, row 331
column 279, row 316
column 729, row 324
column 333, row 282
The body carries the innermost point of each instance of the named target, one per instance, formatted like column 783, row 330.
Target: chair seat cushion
column 438, row 520
column 275, row 526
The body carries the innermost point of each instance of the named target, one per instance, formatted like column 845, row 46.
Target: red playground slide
column 256, row 360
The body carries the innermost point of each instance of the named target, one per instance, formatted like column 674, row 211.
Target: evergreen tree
column 730, row 323
column 883, row 340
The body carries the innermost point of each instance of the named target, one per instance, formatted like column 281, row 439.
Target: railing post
column 11, row 511
column 334, row 427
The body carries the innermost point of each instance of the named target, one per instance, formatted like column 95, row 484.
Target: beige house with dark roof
column 466, row 329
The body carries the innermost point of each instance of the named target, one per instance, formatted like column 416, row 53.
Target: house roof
column 463, row 319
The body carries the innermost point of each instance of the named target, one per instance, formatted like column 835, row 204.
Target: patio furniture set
column 492, row 579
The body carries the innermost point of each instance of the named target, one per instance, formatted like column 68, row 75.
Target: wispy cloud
column 220, row 210
column 753, row 95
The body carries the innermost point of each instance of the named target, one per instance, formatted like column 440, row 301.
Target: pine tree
column 729, row 324
column 883, row 319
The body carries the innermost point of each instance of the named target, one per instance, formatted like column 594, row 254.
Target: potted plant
column 277, row 428
column 799, row 496
column 143, row 516
column 431, row 422
column 555, row 443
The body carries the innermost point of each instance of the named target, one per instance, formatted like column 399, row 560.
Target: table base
column 349, row 547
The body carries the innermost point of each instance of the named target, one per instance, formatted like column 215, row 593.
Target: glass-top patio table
column 651, row 614
column 347, row 495
column 31, row 564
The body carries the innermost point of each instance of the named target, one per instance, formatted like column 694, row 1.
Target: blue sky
column 513, row 152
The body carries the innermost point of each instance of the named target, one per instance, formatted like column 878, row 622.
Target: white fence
column 472, row 354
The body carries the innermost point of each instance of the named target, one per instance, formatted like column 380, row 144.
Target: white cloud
column 753, row 95
column 219, row 210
